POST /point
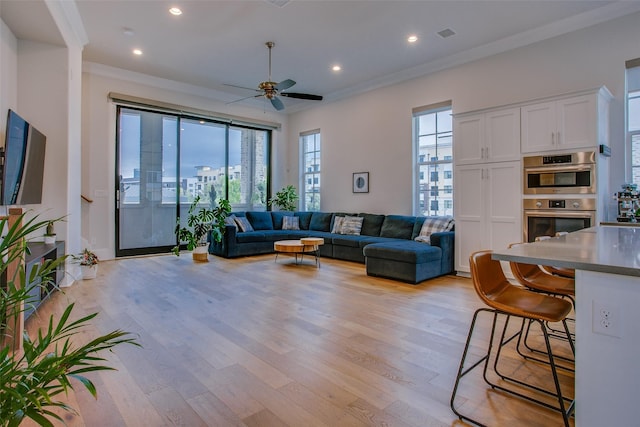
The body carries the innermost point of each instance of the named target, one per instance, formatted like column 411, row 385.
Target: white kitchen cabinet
column 492, row 136
column 565, row 124
column 488, row 208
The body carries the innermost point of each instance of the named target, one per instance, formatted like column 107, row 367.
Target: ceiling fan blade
column 285, row 84
column 302, row 96
column 242, row 87
column 242, row 99
column 277, row 103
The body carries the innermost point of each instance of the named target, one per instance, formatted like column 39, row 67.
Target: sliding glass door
column 165, row 161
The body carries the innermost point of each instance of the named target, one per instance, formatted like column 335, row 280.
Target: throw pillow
column 352, row 225
column 231, row 220
column 290, row 223
column 434, row 225
column 243, row 223
column 337, row 224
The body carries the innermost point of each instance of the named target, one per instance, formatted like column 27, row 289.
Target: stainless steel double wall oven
column 572, row 178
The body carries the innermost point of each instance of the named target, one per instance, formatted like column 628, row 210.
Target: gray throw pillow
column 291, row 223
column 337, row 225
column 352, row 225
column 243, row 223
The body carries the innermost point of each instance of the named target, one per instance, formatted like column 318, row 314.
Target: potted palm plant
column 201, row 221
column 285, row 199
column 33, row 379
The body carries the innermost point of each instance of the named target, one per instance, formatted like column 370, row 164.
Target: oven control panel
column 586, row 204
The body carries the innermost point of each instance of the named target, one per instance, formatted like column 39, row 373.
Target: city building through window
column 432, row 140
column 310, row 161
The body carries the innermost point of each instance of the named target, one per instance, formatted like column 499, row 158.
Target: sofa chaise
column 385, row 243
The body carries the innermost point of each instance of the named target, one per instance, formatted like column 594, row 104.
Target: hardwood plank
column 214, row 411
column 252, row 342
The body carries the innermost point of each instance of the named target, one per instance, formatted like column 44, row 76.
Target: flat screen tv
column 23, row 166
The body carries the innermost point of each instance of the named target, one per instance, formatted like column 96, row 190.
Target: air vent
column 447, row 32
column 279, row 3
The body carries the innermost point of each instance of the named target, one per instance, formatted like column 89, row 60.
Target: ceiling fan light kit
column 270, row 89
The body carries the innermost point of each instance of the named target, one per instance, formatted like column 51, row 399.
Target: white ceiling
column 214, row 43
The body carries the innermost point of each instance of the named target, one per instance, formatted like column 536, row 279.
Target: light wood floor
column 251, row 342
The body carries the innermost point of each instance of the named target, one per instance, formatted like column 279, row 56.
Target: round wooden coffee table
column 303, row 246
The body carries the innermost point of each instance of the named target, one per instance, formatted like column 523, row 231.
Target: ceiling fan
column 271, row 90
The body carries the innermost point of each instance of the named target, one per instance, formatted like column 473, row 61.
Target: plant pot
column 200, row 254
column 49, row 239
column 89, row 271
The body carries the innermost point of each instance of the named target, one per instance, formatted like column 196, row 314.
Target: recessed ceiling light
column 175, row 11
column 412, row 38
column 137, row 52
column 336, row 68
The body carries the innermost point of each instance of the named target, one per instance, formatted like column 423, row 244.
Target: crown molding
column 67, row 18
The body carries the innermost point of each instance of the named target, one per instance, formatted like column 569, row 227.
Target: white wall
column 99, row 140
column 33, row 83
column 8, row 75
column 372, row 132
column 42, row 83
column 43, row 101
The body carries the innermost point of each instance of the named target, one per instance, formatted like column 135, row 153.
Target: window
column 310, row 159
column 165, row 160
column 633, row 117
column 432, row 140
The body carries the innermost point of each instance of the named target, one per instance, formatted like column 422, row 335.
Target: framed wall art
column 361, row 182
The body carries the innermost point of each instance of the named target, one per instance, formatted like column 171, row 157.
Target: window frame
column 315, row 175
column 421, row 161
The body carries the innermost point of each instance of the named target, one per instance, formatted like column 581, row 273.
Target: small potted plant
column 50, row 234
column 88, row 264
column 285, row 199
column 199, row 223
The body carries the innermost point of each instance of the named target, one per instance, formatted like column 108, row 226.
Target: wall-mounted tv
column 23, row 162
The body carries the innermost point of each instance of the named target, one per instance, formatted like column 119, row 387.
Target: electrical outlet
column 606, row 318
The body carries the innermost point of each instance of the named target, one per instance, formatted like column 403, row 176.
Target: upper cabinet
column 492, row 136
column 570, row 123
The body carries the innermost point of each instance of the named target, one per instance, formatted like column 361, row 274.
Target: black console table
column 40, row 252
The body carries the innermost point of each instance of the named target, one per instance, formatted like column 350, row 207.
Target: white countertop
column 606, row 249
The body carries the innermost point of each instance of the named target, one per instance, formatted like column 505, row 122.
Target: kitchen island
column 607, row 263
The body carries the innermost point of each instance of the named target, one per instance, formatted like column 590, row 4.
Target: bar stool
column 564, row 272
column 558, row 271
column 505, row 298
column 535, row 278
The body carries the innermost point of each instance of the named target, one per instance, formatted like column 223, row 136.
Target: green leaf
column 31, row 381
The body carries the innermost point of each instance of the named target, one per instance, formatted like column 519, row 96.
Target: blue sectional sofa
column 385, row 243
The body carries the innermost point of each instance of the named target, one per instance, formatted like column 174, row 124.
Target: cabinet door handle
column 553, row 138
column 486, row 153
column 559, row 141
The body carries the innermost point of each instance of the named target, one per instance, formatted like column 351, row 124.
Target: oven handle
column 560, row 214
column 551, row 169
